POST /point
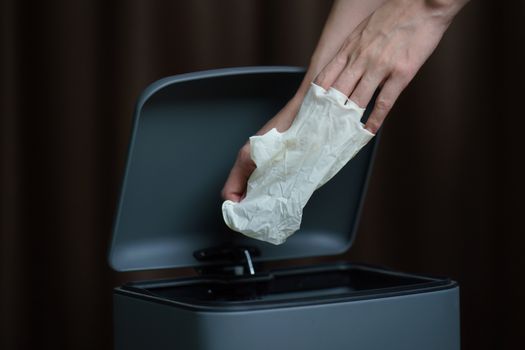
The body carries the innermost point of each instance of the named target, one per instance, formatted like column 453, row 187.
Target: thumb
column 235, row 186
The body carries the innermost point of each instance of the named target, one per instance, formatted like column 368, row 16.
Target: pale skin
column 365, row 45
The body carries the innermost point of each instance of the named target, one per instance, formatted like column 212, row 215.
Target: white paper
column 324, row 136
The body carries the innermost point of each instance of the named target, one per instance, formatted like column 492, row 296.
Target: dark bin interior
column 318, row 283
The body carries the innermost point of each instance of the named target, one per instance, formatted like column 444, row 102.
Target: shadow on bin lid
column 186, row 133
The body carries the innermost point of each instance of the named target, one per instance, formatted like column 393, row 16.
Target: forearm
column 344, row 16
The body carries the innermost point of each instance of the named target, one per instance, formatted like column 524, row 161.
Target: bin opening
column 286, row 285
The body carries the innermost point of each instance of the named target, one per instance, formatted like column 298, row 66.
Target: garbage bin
column 186, row 133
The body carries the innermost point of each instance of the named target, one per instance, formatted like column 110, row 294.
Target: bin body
column 186, row 132
column 404, row 315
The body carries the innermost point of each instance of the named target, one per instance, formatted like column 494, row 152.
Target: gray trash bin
column 186, row 133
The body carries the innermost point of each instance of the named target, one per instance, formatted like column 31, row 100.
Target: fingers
column 330, row 73
column 360, row 83
column 235, row 186
column 365, row 89
column 360, row 79
column 342, row 62
column 384, row 102
column 333, row 69
column 349, row 78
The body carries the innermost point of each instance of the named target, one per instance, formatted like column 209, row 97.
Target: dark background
column 445, row 198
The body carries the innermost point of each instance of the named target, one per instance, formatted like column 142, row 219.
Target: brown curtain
column 445, row 198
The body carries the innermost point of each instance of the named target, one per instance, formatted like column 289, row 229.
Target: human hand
column 235, row 187
column 343, row 18
column 386, row 50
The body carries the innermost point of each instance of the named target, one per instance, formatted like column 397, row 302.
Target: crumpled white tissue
column 325, row 135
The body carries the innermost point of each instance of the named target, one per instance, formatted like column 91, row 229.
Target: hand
column 386, row 50
column 343, row 18
column 235, row 187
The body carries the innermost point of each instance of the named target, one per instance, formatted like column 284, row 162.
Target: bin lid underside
column 186, row 133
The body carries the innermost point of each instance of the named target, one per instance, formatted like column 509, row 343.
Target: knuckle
column 341, row 59
column 383, row 61
column 402, row 70
column 383, row 104
column 369, row 78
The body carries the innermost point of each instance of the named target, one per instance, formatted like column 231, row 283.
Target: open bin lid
column 187, row 130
